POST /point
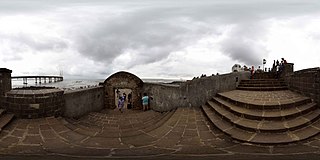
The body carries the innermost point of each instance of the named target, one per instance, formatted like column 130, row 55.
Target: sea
column 74, row 84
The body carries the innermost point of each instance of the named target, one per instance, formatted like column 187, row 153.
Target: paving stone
column 190, row 141
column 99, row 142
column 8, row 141
column 140, row 140
column 294, row 148
column 32, row 139
column 26, row 149
column 255, row 149
column 73, row 136
column 271, row 138
column 190, row 133
column 52, row 120
column 178, row 128
column 58, row 146
column 189, row 150
column 205, row 135
column 45, row 127
column 174, row 135
column 48, row 134
column 219, row 143
column 191, row 126
column 87, row 132
column 55, row 145
column 32, row 131
column 3, row 134
column 144, row 151
column 22, row 125
column 167, row 143
column 315, row 142
column 161, row 131
column 18, row 133
column 203, row 128
column 57, row 127
column 109, row 133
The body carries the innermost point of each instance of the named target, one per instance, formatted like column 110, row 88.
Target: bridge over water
column 39, row 79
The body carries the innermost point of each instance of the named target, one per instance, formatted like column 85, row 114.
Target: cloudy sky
column 155, row 38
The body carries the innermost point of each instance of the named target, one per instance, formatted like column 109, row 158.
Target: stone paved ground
column 184, row 135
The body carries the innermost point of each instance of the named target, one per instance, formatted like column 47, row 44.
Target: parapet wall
column 164, row 97
column 81, row 102
column 193, row 93
column 306, row 82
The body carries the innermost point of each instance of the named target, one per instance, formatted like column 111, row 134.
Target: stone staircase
column 5, row 118
column 262, row 85
column 264, row 111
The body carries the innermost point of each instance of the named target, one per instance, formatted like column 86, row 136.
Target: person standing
column 120, row 103
column 145, row 101
column 129, row 106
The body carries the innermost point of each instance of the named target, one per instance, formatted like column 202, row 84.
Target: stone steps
column 264, row 111
column 269, row 103
column 264, row 138
column 5, row 118
column 118, row 131
column 272, row 126
column 268, row 114
column 262, row 85
column 263, row 88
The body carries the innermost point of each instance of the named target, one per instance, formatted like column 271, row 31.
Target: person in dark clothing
column 129, row 106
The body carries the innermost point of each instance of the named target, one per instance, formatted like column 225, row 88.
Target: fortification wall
column 306, row 82
column 81, row 102
column 164, row 97
column 193, row 93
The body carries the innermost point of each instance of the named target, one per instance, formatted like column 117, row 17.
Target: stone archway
column 123, row 81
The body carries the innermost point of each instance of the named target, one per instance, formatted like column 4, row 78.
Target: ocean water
column 74, row 84
column 66, row 84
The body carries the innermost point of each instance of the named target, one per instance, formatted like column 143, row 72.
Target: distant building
column 236, row 68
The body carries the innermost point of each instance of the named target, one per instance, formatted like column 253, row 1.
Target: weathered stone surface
column 33, row 139
column 191, row 149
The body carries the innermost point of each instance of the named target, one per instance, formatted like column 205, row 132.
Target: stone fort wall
column 193, row 93
column 306, row 82
column 81, row 102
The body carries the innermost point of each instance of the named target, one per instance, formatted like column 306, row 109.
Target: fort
column 227, row 115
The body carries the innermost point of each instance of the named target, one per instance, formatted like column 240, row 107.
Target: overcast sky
column 155, row 38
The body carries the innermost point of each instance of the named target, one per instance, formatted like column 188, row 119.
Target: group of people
column 278, row 67
column 122, row 99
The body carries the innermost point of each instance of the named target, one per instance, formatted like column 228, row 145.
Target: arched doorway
column 123, row 83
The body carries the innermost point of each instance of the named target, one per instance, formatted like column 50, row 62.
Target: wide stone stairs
column 5, row 118
column 262, row 85
column 264, row 111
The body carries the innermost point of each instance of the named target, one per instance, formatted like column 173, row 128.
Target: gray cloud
column 147, row 33
column 155, row 31
column 244, row 43
column 103, row 31
column 23, row 41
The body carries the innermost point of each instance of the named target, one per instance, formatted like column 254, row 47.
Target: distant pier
column 39, row 79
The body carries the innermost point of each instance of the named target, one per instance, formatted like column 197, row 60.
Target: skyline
column 155, row 39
